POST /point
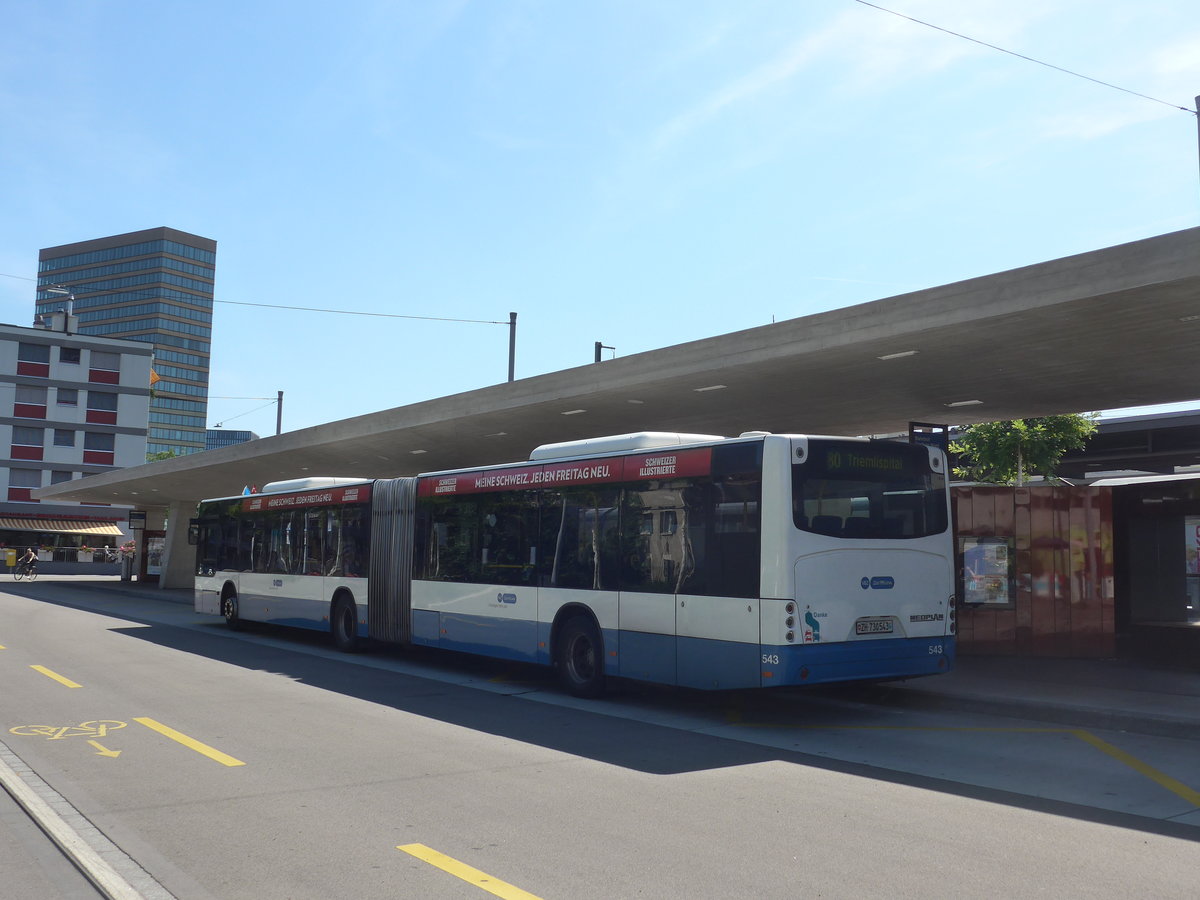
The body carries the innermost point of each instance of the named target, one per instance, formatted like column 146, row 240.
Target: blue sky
column 637, row 173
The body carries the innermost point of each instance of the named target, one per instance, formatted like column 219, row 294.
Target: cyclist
column 29, row 560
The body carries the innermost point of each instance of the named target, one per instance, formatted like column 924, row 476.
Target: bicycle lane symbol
column 91, row 731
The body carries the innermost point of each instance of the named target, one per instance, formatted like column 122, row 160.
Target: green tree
column 165, row 454
column 1009, row 452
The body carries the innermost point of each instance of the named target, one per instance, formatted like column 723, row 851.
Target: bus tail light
column 951, row 610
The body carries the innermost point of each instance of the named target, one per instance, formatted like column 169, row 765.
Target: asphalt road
column 265, row 765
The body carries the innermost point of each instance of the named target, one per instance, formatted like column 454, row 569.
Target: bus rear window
column 876, row 491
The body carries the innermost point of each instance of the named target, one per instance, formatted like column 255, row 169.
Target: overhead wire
column 344, row 312
column 966, row 37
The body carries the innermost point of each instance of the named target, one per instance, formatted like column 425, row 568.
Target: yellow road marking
column 1175, row 787
column 191, row 743
column 59, row 678
column 104, row 751
column 461, row 870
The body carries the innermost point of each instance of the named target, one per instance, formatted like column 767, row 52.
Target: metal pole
column 279, row 413
column 598, row 348
column 512, row 345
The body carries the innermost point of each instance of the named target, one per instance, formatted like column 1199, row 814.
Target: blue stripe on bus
column 876, row 659
column 694, row 662
column 502, row 638
column 647, row 657
column 717, row 665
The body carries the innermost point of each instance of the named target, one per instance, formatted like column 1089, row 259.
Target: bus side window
column 507, row 529
column 451, row 541
column 578, row 538
column 657, row 528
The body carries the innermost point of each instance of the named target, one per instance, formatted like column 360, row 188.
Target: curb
column 1058, row 713
column 84, row 854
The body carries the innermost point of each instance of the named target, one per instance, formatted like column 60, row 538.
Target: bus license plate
column 873, row 626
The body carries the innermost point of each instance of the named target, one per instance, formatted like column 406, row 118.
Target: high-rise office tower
column 154, row 286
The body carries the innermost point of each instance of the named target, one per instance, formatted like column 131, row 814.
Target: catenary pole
column 512, row 345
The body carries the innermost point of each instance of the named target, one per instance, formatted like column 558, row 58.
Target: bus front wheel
column 229, row 609
column 579, row 656
column 343, row 622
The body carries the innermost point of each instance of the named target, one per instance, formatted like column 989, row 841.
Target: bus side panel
column 492, row 620
column 648, row 657
column 648, row 636
column 426, row 627
column 489, row 636
column 777, row 578
column 719, row 640
column 297, row 601
column 206, row 596
column 711, row 664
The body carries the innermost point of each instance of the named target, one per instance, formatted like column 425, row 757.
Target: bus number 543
column 770, row 659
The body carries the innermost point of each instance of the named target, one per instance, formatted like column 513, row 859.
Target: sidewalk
column 1110, row 694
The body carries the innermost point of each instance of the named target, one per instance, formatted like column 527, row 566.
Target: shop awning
column 61, row 526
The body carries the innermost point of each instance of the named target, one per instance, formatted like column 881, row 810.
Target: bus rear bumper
column 876, row 660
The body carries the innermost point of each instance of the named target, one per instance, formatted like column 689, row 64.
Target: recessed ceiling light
column 496, row 434
column 899, row 355
column 711, row 387
column 965, row 403
column 636, row 402
column 574, row 412
column 415, row 452
column 1188, row 318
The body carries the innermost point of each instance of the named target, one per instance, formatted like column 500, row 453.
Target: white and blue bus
column 694, row 560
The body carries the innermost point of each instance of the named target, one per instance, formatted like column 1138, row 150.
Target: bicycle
column 25, row 570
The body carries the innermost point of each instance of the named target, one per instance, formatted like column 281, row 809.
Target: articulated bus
column 690, row 560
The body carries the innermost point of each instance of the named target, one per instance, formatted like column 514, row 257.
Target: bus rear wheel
column 343, row 622
column 579, row 656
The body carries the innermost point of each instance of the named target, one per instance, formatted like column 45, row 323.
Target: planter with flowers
column 86, row 553
column 45, row 554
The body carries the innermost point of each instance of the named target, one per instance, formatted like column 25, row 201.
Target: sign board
column 931, row 434
column 137, row 518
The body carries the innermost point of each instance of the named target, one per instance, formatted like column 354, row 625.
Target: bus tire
column 229, row 609
column 579, row 657
column 343, row 623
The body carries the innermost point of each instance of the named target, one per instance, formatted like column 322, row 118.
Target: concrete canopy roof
column 1106, row 329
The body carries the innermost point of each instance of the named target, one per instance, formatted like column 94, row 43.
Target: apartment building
column 70, row 405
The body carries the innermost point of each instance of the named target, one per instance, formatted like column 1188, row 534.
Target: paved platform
column 1108, row 694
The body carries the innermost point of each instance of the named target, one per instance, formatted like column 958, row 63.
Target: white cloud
column 864, row 50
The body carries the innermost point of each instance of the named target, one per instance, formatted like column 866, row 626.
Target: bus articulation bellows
column 694, row 560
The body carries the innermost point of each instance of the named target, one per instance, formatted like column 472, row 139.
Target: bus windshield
column 868, row 490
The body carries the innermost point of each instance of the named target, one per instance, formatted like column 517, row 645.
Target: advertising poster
column 987, row 572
